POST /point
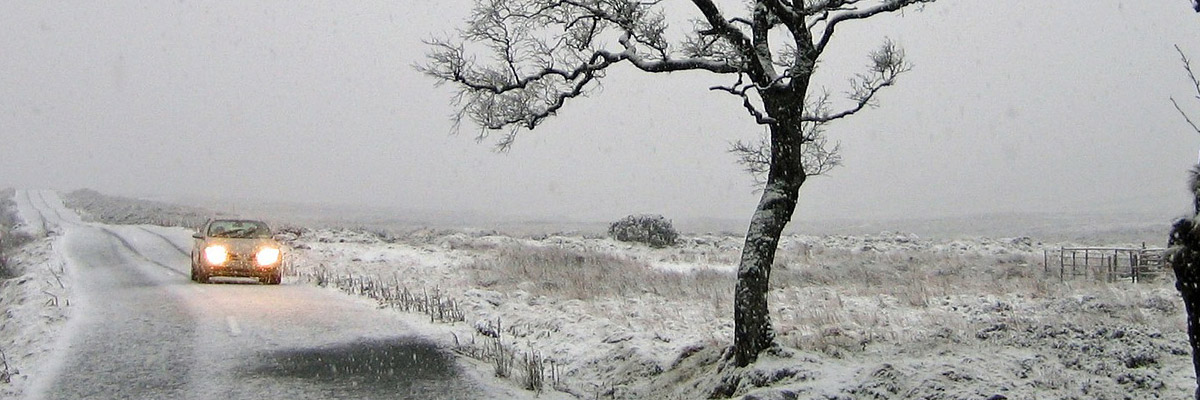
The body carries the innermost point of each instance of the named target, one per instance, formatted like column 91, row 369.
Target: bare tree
column 540, row 54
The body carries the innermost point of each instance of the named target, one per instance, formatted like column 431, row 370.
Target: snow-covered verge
column 35, row 301
column 887, row 316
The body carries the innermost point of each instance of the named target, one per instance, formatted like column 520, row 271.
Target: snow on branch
column 844, row 11
column 543, row 53
column 519, row 62
column 743, row 90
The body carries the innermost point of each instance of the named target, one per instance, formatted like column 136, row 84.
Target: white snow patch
column 36, row 306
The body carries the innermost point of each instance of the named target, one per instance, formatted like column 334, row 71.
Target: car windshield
column 239, row 229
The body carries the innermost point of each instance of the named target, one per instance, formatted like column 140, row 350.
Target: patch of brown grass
column 573, row 274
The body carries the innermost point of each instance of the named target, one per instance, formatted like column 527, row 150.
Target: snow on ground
column 875, row 316
column 886, row 316
column 36, row 304
column 35, row 308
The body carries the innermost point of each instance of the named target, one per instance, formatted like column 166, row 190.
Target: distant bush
column 653, row 230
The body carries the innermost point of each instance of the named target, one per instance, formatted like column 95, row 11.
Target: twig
column 55, row 300
column 56, row 278
column 6, row 375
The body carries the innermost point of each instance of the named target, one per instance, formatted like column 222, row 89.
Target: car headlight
column 267, row 256
column 216, row 255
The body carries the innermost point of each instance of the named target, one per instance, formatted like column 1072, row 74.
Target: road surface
column 140, row 329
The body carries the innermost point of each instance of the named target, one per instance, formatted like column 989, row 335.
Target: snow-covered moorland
column 34, row 298
column 885, row 316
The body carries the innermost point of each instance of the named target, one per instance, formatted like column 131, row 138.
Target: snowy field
column 882, row 316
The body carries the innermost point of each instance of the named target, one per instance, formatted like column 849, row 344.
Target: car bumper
column 244, row 270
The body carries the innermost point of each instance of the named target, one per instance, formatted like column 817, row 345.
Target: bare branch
column 1187, row 66
column 763, row 65
column 785, row 12
column 887, row 63
column 801, row 54
column 721, row 26
column 741, row 20
column 755, row 158
column 759, row 68
column 546, row 52
column 1185, row 116
column 855, row 14
column 817, row 156
column 711, row 47
column 543, row 53
column 742, row 90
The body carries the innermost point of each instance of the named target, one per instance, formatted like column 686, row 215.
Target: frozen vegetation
column 34, row 297
column 881, row 316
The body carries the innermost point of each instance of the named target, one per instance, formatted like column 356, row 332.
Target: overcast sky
column 1036, row 106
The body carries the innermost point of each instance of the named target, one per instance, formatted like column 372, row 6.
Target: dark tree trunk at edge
column 1184, row 259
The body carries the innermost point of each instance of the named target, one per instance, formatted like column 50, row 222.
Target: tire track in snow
column 139, row 254
column 133, row 336
column 168, row 240
column 41, row 217
column 42, row 196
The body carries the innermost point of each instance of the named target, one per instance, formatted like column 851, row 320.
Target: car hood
column 242, row 246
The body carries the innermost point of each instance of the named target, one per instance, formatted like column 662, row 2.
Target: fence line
column 1109, row 263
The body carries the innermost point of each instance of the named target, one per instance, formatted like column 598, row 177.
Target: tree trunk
column 752, row 331
column 752, row 319
column 1184, row 259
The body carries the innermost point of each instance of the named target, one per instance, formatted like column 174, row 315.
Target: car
column 237, row 248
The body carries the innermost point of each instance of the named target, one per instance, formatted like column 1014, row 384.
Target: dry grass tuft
column 912, row 277
column 574, row 274
column 844, row 301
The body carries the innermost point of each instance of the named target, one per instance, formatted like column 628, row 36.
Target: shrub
column 653, row 230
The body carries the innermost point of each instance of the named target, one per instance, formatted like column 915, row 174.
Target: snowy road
column 140, row 329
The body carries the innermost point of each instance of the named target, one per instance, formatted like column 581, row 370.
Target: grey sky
column 1015, row 106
